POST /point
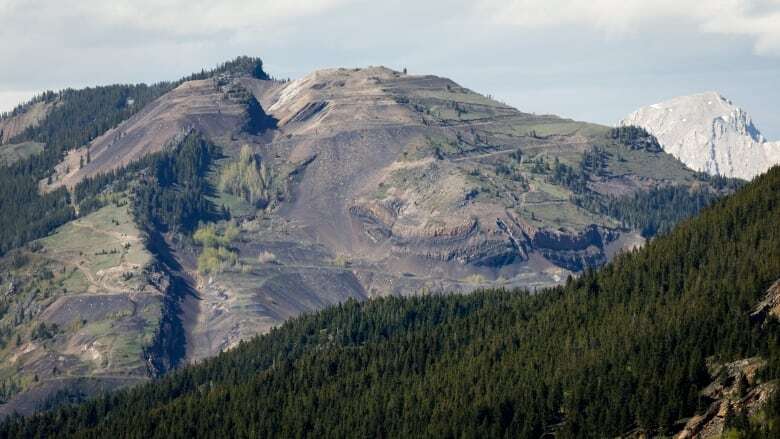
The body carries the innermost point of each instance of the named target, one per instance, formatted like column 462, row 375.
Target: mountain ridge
column 708, row 133
column 261, row 200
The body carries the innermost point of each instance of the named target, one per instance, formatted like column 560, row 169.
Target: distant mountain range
column 708, row 133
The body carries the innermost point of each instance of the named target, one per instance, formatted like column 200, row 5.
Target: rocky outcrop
column 507, row 241
column 708, row 133
column 770, row 306
column 733, row 392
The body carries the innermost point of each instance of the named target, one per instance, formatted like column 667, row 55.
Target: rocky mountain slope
column 344, row 184
column 708, row 133
column 381, row 183
column 677, row 339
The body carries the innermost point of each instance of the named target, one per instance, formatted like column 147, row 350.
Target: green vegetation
column 242, row 65
column 636, row 138
column 52, row 292
column 174, row 197
column 619, row 349
column 25, row 214
column 214, row 260
column 82, row 115
column 217, row 254
column 248, row 178
column 209, row 236
column 44, row 332
column 652, row 212
column 174, row 193
column 79, row 117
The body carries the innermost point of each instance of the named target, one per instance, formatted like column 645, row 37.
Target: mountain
column 677, row 338
column 159, row 225
column 708, row 133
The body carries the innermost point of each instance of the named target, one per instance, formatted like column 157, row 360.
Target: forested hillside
column 625, row 348
column 78, row 117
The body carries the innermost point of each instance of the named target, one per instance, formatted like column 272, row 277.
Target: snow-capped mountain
column 708, row 133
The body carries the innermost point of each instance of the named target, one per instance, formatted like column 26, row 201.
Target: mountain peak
column 708, row 133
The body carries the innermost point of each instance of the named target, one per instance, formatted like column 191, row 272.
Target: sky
column 593, row 60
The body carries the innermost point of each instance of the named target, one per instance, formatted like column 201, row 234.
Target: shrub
column 247, row 177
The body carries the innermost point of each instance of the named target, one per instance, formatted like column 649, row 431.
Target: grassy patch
column 659, row 165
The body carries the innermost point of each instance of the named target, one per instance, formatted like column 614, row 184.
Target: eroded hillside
column 260, row 200
column 371, row 183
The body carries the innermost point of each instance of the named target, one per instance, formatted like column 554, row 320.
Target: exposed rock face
column 398, row 185
column 734, row 389
column 708, row 133
column 770, row 306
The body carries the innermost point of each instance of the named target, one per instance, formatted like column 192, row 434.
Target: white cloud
column 524, row 48
column 171, row 17
column 761, row 23
column 51, row 43
column 758, row 19
column 201, row 16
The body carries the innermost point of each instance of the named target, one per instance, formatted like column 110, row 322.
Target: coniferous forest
column 78, row 117
column 623, row 348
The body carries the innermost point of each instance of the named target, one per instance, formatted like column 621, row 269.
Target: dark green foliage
column 87, row 190
column 770, row 428
column 82, row 115
column 636, row 138
column 658, row 210
column 565, row 175
column 173, row 197
column 173, row 188
column 615, row 350
column 594, row 162
column 79, row 117
column 654, row 211
column 242, row 65
column 172, row 192
column 46, row 96
column 25, row 214
column 44, row 331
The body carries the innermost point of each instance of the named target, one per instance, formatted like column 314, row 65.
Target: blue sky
column 593, row 60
